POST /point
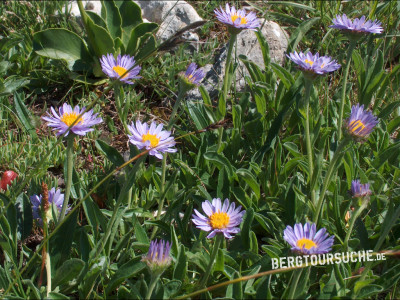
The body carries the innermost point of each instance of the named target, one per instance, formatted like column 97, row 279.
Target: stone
column 73, row 9
column 248, row 45
column 171, row 16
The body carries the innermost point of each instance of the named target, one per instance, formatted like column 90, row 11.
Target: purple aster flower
column 237, row 18
column 307, row 240
column 153, row 137
column 356, row 26
column 158, row 256
column 221, row 218
column 55, row 199
column 67, row 116
column 359, row 190
column 314, row 64
column 115, row 69
column 361, row 122
column 193, row 76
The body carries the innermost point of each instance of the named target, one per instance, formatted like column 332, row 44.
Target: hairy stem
column 70, row 167
column 218, row 241
column 343, row 96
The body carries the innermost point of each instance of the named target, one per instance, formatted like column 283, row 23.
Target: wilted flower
column 193, row 76
column 358, row 26
column 307, row 240
column 153, row 137
column 68, row 116
column 158, row 258
column 314, row 64
column 55, row 198
column 361, row 122
column 359, row 190
column 237, row 19
column 115, row 69
column 220, row 218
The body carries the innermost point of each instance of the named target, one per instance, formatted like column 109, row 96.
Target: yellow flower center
column 323, row 65
column 69, row 118
column 120, row 71
column 242, row 21
column 154, row 140
column 356, row 124
column 219, row 220
column 309, row 62
column 306, row 243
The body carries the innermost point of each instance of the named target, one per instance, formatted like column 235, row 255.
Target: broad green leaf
column 60, row 43
column 221, row 162
column 180, row 269
column 131, row 16
column 127, row 270
column 110, row 152
column 250, row 180
column 68, row 271
column 88, row 282
column 300, row 32
column 12, row 84
column 113, row 18
column 24, row 114
column 136, row 34
column 246, row 227
column 24, row 216
column 100, row 40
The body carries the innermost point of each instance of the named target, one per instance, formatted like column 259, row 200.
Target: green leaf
column 388, row 153
column 180, row 269
column 96, row 19
column 34, row 290
column 131, row 15
column 369, row 290
column 88, row 282
column 127, row 270
column 147, row 45
column 12, row 84
column 110, row 152
column 299, row 33
column 136, row 34
column 140, row 232
column 60, row 244
column 221, row 162
column 246, row 227
column 60, row 43
column 250, row 180
column 171, row 289
column 24, row 216
column 56, row 296
column 24, row 115
column 68, row 271
column 100, row 40
column 113, row 18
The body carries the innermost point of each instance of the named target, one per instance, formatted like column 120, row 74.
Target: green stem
column 152, row 285
column 121, row 197
column 232, row 42
column 294, row 282
column 353, row 219
column 218, row 241
column 70, row 167
column 308, row 87
column 331, row 168
column 343, row 97
column 171, row 122
column 122, row 111
column 181, row 94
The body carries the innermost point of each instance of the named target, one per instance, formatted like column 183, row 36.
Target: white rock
column 247, row 44
column 171, row 15
column 94, row 6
